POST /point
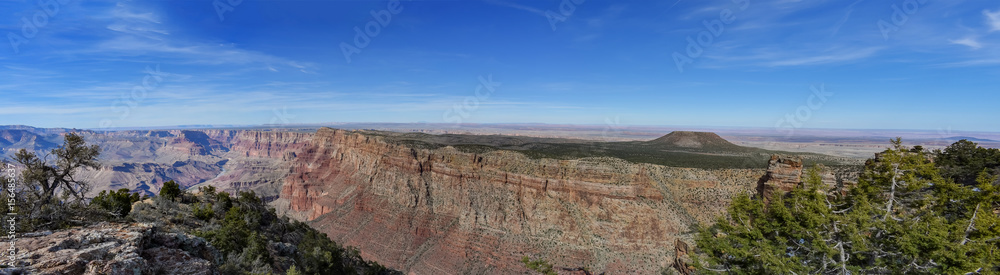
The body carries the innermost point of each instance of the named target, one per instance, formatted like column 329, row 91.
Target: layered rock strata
column 784, row 173
column 227, row 159
column 444, row 211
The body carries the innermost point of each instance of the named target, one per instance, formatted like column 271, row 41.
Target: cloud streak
column 968, row 41
column 993, row 19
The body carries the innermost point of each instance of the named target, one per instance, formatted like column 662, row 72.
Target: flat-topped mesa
column 689, row 139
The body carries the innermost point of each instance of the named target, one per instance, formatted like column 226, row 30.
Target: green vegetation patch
column 906, row 215
column 713, row 153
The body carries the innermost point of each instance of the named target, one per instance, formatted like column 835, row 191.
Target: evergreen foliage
column 248, row 228
column 54, row 197
column 964, row 160
column 251, row 238
column 170, row 190
column 116, row 203
column 540, row 266
column 903, row 216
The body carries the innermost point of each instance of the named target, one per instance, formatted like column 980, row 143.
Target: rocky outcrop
column 113, row 248
column 784, row 173
column 446, row 211
column 681, row 258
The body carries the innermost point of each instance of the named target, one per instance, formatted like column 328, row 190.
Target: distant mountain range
column 973, row 139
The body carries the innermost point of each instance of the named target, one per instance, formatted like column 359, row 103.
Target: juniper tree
column 170, row 190
column 901, row 217
column 54, row 196
column 116, row 204
column 962, row 161
column 803, row 231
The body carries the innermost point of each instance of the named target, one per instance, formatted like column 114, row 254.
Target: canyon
column 431, row 211
column 446, row 209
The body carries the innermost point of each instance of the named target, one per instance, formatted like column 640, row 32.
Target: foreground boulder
column 113, row 248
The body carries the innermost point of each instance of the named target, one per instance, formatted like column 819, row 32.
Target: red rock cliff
column 784, row 173
column 444, row 211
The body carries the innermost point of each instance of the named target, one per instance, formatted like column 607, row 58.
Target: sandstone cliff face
column 226, row 159
column 444, row 211
column 262, row 144
column 440, row 211
column 150, row 176
column 784, row 173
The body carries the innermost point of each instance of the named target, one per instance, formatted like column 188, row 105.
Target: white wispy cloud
column 976, row 62
column 782, row 57
column 47, row 110
column 993, row 19
column 517, row 6
column 138, row 33
column 824, row 58
column 610, row 14
column 839, row 24
column 124, row 12
column 968, row 41
column 847, row 16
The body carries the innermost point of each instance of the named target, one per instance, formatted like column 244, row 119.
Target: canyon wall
column 227, row 159
column 444, row 211
column 438, row 211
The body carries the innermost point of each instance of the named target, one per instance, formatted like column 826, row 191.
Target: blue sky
column 550, row 62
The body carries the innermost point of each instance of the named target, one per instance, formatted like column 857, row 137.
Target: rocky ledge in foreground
column 112, row 248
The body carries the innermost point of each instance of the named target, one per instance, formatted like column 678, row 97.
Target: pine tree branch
column 975, row 271
column 716, row 270
column 842, row 211
column 969, row 229
column 892, row 192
